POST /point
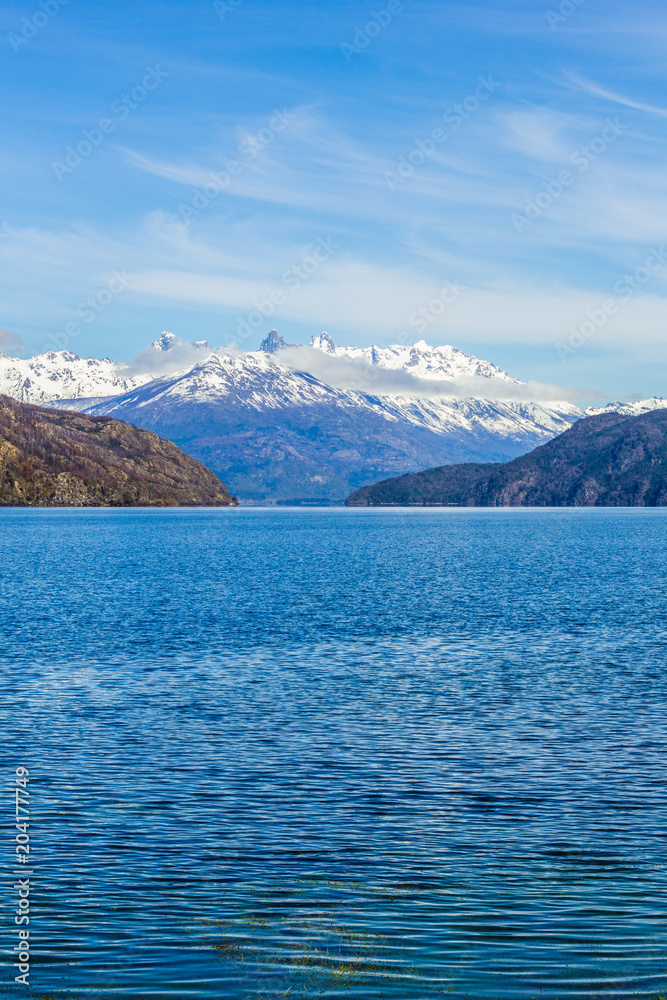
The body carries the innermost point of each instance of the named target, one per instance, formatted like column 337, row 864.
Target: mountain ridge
column 611, row 459
column 65, row 375
column 439, row 364
column 275, row 431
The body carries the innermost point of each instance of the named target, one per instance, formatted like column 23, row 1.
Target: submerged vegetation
column 311, row 941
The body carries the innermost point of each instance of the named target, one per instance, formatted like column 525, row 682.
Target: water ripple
column 324, row 753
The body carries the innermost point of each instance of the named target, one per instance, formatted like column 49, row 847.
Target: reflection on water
column 339, row 753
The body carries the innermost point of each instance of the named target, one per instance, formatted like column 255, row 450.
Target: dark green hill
column 51, row 458
column 610, row 460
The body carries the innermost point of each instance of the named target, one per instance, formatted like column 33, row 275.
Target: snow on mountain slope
column 254, row 381
column 281, row 434
column 629, row 409
column 509, row 421
column 271, row 431
column 251, row 381
column 436, row 364
column 62, row 374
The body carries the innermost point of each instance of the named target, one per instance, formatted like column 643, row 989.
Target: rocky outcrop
column 274, row 342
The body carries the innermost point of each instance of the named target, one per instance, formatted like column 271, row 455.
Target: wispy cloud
column 589, row 87
column 325, row 174
column 539, row 133
column 173, row 266
column 186, row 174
column 10, row 341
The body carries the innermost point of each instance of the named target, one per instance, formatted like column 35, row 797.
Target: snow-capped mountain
column 629, row 409
column 275, row 433
column 256, row 382
column 170, row 342
column 438, row 364
column 64, row 375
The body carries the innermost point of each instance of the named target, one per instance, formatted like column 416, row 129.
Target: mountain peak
column 435, row 364
column 165, row 341
column 323, row 343
column 273, row 342
column 64, row 375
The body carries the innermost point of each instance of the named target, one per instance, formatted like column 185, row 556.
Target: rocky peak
column 165, row 341
column 323, row 343
column 273, row 342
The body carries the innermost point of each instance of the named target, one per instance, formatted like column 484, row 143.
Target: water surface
column 365, row 753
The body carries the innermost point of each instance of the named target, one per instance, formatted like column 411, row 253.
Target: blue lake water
column 362, row 753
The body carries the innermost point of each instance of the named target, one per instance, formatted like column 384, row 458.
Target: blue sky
column 339, row 167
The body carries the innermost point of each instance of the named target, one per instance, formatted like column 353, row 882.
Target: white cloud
column 180, row 356
column 372, row 301
column 359, row 376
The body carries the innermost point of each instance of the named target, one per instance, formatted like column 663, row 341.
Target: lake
column 326, row 752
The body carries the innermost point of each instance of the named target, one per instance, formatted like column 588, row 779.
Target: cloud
column 360, row 376
column 10, row 340
column 539, row 133
column 179, row 356
column 627, row 102
column 362, row 301
column 193, row 175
